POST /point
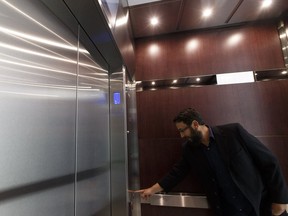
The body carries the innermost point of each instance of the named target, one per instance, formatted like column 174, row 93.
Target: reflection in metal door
column 118, row 140
column 133, row 151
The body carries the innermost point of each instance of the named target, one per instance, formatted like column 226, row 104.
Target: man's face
column 188, row 132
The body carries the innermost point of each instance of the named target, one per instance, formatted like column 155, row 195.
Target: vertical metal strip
column 125, row 134
column 284, row 41
column 109, row 141
column 76, row 124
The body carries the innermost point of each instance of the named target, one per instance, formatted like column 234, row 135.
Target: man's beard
column 196, row 136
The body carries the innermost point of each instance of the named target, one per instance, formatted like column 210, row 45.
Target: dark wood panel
column 157, row 156
column 260, row 107
column 258, row 49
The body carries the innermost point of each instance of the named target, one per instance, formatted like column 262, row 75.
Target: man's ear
column 194, row 124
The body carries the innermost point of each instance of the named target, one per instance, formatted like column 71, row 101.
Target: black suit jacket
column 253, row 168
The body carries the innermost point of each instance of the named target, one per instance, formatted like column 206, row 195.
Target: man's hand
column 146, row 193
column 278, row 209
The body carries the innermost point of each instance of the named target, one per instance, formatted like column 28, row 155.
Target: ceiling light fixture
column 284, row 72
column 207, row 12
column 198, row 79
column 153, row 83
column 266, row 3
column 154, row 21
column 174, row 81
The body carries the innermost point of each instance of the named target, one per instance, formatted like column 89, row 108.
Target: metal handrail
column 184, row 200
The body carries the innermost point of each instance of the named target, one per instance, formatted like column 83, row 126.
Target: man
column 240, row 175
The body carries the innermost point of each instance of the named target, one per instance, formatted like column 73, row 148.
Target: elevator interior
column 67, row 118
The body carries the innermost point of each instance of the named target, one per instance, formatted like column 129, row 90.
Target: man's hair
column 187, row 116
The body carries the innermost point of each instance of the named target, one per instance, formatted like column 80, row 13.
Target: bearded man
column 240, row 175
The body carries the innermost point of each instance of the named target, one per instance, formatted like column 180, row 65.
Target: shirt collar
column 211, row 134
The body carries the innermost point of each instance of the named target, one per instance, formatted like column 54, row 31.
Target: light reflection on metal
column 122, row 20
column 31, row 52
column 28, row 94
column 282, row 31
column 36, row 67
column 40, row 40
column 28, row 38
column 183, row 200
column 35, row 21
column 45, row 85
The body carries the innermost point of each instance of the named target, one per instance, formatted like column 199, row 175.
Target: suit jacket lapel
column 222, row 144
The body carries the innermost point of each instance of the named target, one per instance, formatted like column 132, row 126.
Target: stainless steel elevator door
column 38, row 64
column 93, row 147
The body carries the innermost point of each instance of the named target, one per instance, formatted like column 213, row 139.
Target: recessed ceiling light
column 207, row 12
column 266, row 3
column 174, row 81
column 153, row 83
column 198, row 79
column 154, row 21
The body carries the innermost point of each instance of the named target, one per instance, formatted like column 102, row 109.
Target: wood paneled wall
column 210, row 52
column 260, row 107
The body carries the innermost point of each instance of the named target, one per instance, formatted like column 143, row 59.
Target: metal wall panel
column 55, row 156
column 118, row 142
column 133, row 151
column 38, row 59
column 93, row 151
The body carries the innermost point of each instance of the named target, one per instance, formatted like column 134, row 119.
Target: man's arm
column 269, row 169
